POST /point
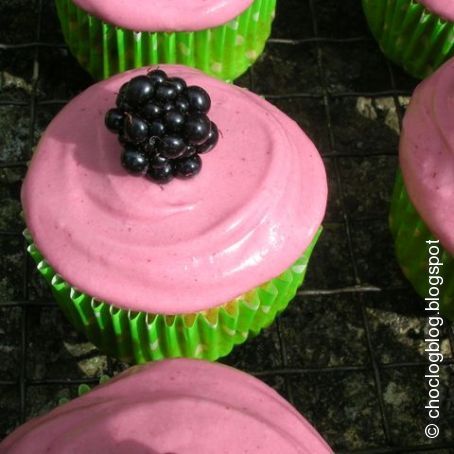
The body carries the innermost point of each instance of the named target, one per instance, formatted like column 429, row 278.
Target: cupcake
column 416, row 34
column 150, row 268
column 175, row 406
column 422, row 210
column 222, row 38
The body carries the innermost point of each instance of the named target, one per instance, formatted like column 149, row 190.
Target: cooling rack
column 348, row 353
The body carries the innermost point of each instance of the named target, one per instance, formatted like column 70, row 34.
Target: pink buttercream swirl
column 165, row 15
column 427, row 153
column 189, row 245
column 175, row 406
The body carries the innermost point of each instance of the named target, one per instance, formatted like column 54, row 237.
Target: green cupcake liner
column 410, row 35
column 410, row 236
column 224, row 52
column 139, row 337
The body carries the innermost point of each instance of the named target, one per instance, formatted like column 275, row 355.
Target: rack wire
column 288, row 378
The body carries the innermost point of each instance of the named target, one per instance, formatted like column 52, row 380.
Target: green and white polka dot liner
column 224, row 52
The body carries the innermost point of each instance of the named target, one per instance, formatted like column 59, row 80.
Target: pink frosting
column 165, row 15
column 442, row 8
column 172, row 407
column 189, row 245
column 427, row 153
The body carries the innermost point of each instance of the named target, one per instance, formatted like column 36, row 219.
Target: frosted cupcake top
column 165, row 15
column 188, row 245
column 443, row 8
column 175, row 406
column 427, row 153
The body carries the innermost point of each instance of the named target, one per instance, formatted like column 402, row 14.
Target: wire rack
column 306, row 44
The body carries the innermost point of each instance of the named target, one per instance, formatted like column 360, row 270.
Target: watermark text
column 432, row 340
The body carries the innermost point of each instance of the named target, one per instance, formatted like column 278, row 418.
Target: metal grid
column 358, row 292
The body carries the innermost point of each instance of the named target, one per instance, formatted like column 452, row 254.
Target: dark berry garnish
column 151, row 111
column 190, row 150
column 156, row 128
column 182, row 104
column 188, row 167
column 197, row 128
column 162, row 125
column 211, row 140
column 120, row 101
column 158, row 161
column 162, row 174
column 133, row 160
column 136, row 129
column 166, row 92
column 172, row 147
column 199, row 99
column 157, row 76
column 150, row 146
column 123, row 140
column 139, row 90
column 178, row 83
column 168, row 106
column 114, row 120
column 174, row 120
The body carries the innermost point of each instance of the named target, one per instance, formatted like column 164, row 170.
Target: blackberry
column 114, row 120
column 172, row 147
column 162, row 174
column 196, row 129
column 211, row 141
column 135, row 129
column 157, row 76
column 162, row 125
column 151, row 111
column 133, row 160
column 123, row 140
column 156, row 128
column 178, row 83
column 199, row 100
column 190, row 150
column 174, row 120
column 166, row 92
column 182, row 104
column 157, row 161
column 168, row 106
column 188, row 167
column 120, row 101
column 150, row 146
column 139, row 90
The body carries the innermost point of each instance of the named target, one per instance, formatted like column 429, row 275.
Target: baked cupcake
column 416, row 34
column 222, row 38
column 422, row 210
column 176, row 406
column 188, row 268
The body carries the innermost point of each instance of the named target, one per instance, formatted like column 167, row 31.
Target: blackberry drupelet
column 162, row 125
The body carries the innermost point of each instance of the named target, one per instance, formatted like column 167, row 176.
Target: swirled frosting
column 165, row 15
column 427, row 153
column 189, row 245
column 442, row 8
column 172, row 407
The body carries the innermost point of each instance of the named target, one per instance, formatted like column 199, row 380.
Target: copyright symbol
column 432, row 431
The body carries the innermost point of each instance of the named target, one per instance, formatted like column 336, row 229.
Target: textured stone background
column 355, row 310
